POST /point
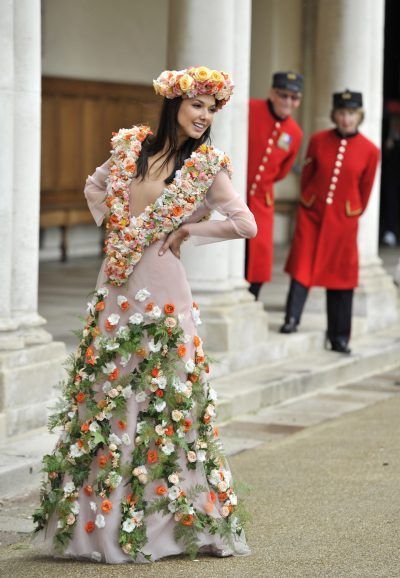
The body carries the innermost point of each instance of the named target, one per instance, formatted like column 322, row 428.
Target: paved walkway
column 324, row 473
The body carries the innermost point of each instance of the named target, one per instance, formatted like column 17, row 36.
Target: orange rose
column 80, row 397
column 114, row 375
column 193, row 378
column 181, row 350
column 88, row 490
column 161, row 490
column 85, row 427
column 101, row 404
column 125, row 305
column 216, row 432
column 141, row 351
column 169, row 308
column 187, row 425
column 177, row 211
column 209, row 507
column 160, row 393
column 121, row 424
column 213, row 497
column 90, row 527
column 222, row 496
column 169, row 430
column 154, row 372
column 149, row 307
column 187, row 520
column 106, row 506
column 196, row 341
column 103, row 461
column 152, row 456
column 100, row 306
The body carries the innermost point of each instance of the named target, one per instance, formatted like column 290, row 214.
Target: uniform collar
column 340, row 135
column 271, row 110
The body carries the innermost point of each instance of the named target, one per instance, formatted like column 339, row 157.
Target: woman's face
column 195, row 115
column 346, row 120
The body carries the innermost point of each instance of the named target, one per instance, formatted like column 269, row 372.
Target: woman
column 336, row 182
column 138, row 472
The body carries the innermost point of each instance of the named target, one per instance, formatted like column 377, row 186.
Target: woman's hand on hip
column 174, row 242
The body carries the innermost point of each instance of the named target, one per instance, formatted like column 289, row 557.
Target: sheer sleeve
column 239, row 222
column 95, row 192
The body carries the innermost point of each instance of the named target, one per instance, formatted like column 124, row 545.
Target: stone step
column 296, row 374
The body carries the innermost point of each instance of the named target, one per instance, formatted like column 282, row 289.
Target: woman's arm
column 223, row 198
column 95, row 192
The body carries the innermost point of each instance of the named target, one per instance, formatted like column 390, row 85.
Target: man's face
column 284, row 101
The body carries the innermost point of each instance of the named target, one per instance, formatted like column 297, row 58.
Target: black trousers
column 339, row 304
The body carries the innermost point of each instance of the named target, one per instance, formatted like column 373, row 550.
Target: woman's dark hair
column 167, row 134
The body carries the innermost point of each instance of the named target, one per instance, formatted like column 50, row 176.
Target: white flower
column 103, row 292
column 60, row 524
column 142, row 295
column 160, row 381
column 176, row 415
column 201, row 456
column 140, row 425
column 173, row 478
column 233, row 499
column 126, row 440
column 124, row 360
column 138, row 516
column 155, row 313
column 136, row 319
column 70, row 519
column 168, row 448
column 75, row 451
column 212, row 394
column 121, row 299
column 106, row 386
column 114, row 439
column 173, row 493
column 113, row 319
column 94, row 426
column 139, row 470
column 123, row 332
column 172, row 507
column 191, row 456
column 210, row 409
column 127, row 392
column 93, row 506
column 109, row 367
column 222, row 486
column 100, row 521
column 140, row 396
column 159, row 429
column 75, row 508
column 181, row 317
column 115, row 479
column 190, row 366
column 159, row 405
column 187, row 338
column 170, row 322
column 155, row 347
column 92, row 377
column 114, row 392
column 196, row 316
column 69, row 488
column 128, row 526
column 96, row 556
column 142, row 479
column 90, row 309
column 111, row 345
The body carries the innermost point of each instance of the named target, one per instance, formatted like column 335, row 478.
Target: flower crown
column 193, row 81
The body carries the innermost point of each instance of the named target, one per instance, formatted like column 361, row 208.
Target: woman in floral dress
column 138, row 472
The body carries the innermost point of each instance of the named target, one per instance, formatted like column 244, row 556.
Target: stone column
column 30, row 363
column 217, row 34
column 349, row 54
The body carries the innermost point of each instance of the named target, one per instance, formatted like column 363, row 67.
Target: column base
column 235, row 327
column 27, row 380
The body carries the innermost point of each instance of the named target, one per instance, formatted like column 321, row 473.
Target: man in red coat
column 336, row 183
column 274, row 141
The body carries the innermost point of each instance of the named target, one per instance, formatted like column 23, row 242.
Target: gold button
column 343, row 142
column 329, row 201
column 330, row 194
column 268, row 150
column 254, row 186
column 264, row 159
column 277, row 124
column 338, row 164
column 332, row 187
column 261, row 168
column 252, row 193
column 342, row 149
column 334, row 179
column 270, row 141
column 340, row 156
column 336, row 171
column 258, row 178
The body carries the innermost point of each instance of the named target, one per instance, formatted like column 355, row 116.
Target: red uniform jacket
column 336, row 182
column 273, row 146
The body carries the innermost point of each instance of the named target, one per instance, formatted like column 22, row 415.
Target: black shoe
column 340, row 346
column 289, row 326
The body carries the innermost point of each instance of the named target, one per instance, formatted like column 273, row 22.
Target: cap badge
column 346, row 95
column 291, row 76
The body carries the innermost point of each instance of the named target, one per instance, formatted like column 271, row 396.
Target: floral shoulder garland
column 128, row 236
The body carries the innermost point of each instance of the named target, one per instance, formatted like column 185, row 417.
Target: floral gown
column 138, row 472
